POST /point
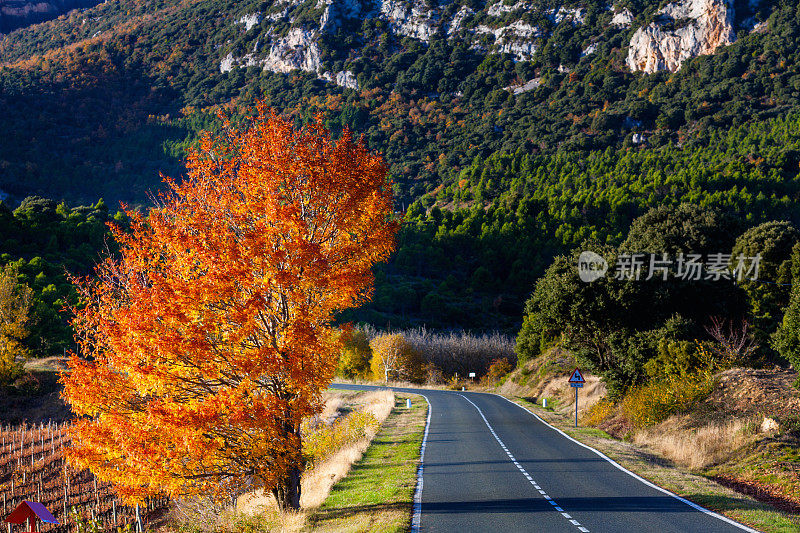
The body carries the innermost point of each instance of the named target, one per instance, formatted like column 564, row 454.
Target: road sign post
column 576, row 381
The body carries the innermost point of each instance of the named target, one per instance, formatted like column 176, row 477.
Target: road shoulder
column 378, row 492
column 659, row 471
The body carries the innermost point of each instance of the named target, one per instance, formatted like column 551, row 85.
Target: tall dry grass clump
column 461, row 352
column 318, row 481
column 705, row 446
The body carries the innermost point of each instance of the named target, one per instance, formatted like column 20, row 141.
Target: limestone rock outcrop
column 413, row 19
column 684, row 29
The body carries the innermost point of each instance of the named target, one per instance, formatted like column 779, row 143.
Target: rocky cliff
column 289, row 31
column 499, row 28
column 682, row 30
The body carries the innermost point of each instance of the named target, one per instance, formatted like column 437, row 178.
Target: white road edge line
column 514, row 460
column 635, row 476
column 417, row 516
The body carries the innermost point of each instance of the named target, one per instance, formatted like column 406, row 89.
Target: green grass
column 591, row 432
column 378, row 493
column 695, row 488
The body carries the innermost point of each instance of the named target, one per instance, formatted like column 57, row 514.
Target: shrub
column 786, row 340
column 674, row 360
column 498, row 369
column 434, row 374
column 354, row 360
column 654, row 402
column 10, row 371
column 395, row 358
column 672, row 388
column 324, row 440
column 599, row 412
column 774, row 240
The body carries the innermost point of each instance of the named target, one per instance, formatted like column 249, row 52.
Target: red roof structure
column 30, row 511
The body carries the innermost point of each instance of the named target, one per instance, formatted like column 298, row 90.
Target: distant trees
column 44, row 242
column 786, row 339
column 15, row 320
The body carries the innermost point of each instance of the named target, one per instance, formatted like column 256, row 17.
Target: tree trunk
column 288, row 491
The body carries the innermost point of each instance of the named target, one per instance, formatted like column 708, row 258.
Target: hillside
column 566, row 119
column 96, row 97
column 19, row 13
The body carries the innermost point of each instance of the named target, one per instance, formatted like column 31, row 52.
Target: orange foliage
column 209, row 340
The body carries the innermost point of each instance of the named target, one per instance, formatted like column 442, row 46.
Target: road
column 490, row 465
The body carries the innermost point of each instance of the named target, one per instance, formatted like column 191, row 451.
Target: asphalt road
column 490, row 465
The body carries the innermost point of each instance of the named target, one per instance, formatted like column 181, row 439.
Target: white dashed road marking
column 544, row 494
column 635, row 476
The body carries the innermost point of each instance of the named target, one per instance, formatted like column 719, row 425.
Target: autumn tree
column 209, row 339
column 15, row 305
column 355, row 356
column 393, row 357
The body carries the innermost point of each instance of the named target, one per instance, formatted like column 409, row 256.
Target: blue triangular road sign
column 576, row 377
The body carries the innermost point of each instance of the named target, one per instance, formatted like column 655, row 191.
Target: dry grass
column 370, row 499
column 45, row 364
column 548, row 377
column 675, row 478
column 317, row 482
column 700, row 447
column 378, row 493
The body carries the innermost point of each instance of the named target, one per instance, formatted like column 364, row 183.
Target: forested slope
column 520, row 124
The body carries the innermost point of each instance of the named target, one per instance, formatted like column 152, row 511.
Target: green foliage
column 472, row 265
column 685, row 229
column 354, row 360
column 622, row 328
column 139, row 94
column 45, row 243
column 15, row 305
column 498, row 183
column 786, row 340
column 768, row 295
column 675, row 360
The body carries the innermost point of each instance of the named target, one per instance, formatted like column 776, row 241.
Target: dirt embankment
column 547, row 377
